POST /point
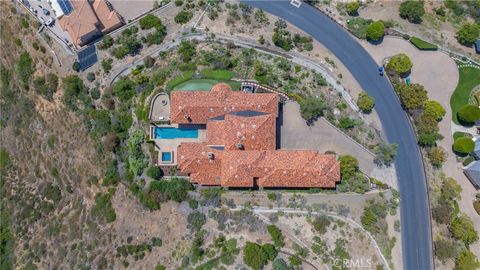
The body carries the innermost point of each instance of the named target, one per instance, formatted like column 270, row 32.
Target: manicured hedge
column 423, row 45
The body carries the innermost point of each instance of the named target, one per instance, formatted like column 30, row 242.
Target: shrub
column 423, row 45
column 468, row 113
column 107, row 64
column 365, row 102
column 183, row 17
column 312, row 108
column 25, row 68
column 400, row 63
column 150, row 21
column 124, row 89
column 276, row 234
column 375, row 31
column 412, row 10
column 466, row 261
column 178, row 3
column 196, row 220
column 321, row 223
column 352, row 8
column 348, row 166
column 435, row 109
column 103, row 207
column 106, row 43
column 385, row 154
column 462, row 229
column 437, row 156
column 155, row 172
column 76, row 66
column 187, row 50
column 445, row 250
column 468, row 33
column 463, row 145
column 91, row 76
column 412, row 96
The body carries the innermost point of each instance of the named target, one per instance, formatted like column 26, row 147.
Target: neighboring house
column 239, row 150
column 89, row 20
column 472, row 171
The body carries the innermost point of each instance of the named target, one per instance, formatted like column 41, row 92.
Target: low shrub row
column 422, row 44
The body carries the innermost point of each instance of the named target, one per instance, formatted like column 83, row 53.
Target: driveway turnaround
column 415, row 212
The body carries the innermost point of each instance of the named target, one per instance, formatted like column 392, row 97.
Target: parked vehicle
column 380, row 71
column 50, row 22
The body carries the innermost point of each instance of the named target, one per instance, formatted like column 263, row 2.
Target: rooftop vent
column 210, row 155
column 239, row 146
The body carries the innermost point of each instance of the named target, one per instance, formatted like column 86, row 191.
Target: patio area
column 160, row 108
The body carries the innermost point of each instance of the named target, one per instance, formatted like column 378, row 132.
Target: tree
column 348, row 166
column 462, row 229
column 445, row 249
column 183, row 17
column 437, row 156
column 365, row 102
column 154, row 172
column 385, row 154
column 107, row 64
column 254, row 256
column 435, row 109
column 412, row 96
column 400, row 63
column 124, row 89
column 352, row 8
column 312, row 108
column 427, row 130
column 466, row 261
column 412, row 10
column 150, row 21
column 276, row 234
column 468, row 113
column 187, row 50
column 468, row 33
column 463, row 145
column 375, row 31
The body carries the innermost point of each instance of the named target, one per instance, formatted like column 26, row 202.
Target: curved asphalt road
column 415, row 214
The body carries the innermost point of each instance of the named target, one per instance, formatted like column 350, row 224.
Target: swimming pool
column 174, row 133
column 166, row 156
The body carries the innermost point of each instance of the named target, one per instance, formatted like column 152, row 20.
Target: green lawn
column 469, row 78
column 185, row 76
column 220, row 74
column 204, row 84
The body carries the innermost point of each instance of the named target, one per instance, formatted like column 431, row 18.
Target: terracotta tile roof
column 193, row 158
column 220, row 162
column 269, row 168
column 81, row 22
column 249, row 129
column 109, row 18
column 88, row 21
column 196, row 107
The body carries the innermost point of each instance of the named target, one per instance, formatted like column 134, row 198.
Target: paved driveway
column 415, row 212
column 295, row 134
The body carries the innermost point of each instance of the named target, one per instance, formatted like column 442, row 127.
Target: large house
column 240, row 145
column 87, row 20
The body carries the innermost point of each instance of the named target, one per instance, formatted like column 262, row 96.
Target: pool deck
column 171, row 145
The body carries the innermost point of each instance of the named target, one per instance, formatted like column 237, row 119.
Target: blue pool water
column 174, row 133
column 166, row 156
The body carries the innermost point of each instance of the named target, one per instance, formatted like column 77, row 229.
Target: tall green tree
column 468, row 33
column 412, row 10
